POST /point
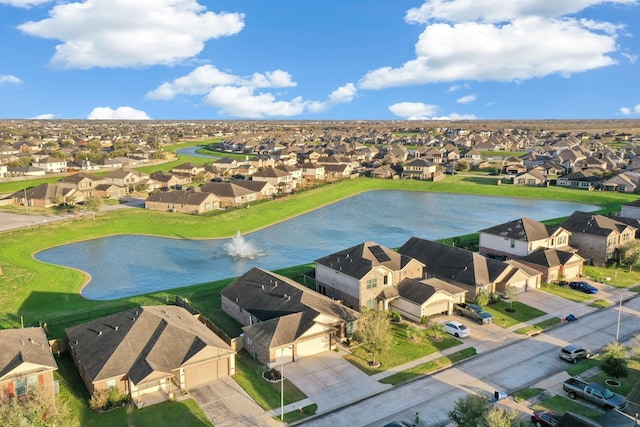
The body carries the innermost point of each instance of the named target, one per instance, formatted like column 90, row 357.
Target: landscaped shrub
column 424, row 320
column 614, row 360
column 493, row 298
column 482, row 299
column 414, row 334
column 103, row 400
column 395, row 316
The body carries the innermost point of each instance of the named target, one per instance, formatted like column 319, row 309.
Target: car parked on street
column 456, row 329
column 545, row 418
column 573, row 353
column 583, row 287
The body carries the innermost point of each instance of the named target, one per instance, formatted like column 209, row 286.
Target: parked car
column 573, row 353
column 456, row 329
column 595, row 393
column 396, row 424
column 545, row 418
column 475, row 312
column 583, row 287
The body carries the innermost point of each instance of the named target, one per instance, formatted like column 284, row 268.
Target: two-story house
column 365, row 275
column 419, row 168
column 598, row 238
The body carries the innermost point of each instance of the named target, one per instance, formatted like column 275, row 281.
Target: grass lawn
column 626, row 384
column 401, row 351
column 73, row 391
column 600, row 303
column 562, row 404
column 566, row 292
column 297, row 415
column 620, row 277
column 506, row 319
column 267, row 395
column 539, row 327
column 429, row 367
column 526, row 393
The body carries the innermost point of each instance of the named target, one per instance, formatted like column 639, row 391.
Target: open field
column 29, row 287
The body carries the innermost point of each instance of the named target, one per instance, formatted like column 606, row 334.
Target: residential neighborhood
column 153, row 354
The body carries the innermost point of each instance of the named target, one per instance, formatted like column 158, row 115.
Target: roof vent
column 275, row 284
column 115, row 328
column 99, row 332
column 262, row 287
column 285, row 296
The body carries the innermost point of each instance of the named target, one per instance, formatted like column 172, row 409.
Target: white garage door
column 311, row 347
column 437, row 308
column 284, row 355
column 520, row 287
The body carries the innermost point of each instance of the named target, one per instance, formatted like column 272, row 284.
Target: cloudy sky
column 333, row 59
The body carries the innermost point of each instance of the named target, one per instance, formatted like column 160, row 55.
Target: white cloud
column 456, row 116
column 125, row 33
column 120, row 113
column 498, row 10
column 9, row 79
column 204, row 78
column 44, row 117
column 342, row 95
column 523, row 49
column 626, row 111
column 466, row 99
column 243, row 101
column 630, row 57
column 413, row 110
column 24, row 3
column 457, row 87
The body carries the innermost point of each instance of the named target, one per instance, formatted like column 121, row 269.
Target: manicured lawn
column 620, row 277
column 249, row 376
column 73, row 391
column 600, row 303
column 626, row 384
column 429, row 367
column 566, row 292
column 401, row 351
column 562, row 404
column 293, row 416
column 504, row 318
column 539, row 327
column 526, row 393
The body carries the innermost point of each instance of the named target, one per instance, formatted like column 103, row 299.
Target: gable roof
column 24, row 346
column 551, row 257
column 589, row 223
column 419, row 291
column 449, row 263
column 359, row 260
column 182, row 197
column 268, row 295
column 524, row 229
column 225, row 189
column 142, row 341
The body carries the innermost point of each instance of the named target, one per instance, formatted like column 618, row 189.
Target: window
column 512, row 243
column 371, row 304
column 111, row 384
column 21, row 386
column 372, row 283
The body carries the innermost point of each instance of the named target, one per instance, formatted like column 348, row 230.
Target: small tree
column 413, row 333
column 498, row 417
column 92, row 204
column 437, row 330
column 374, row 332
column 470, row 410
column 630, row 254
column 35, row 409
column 482, row 299
column 510, row 292
column 614, row 360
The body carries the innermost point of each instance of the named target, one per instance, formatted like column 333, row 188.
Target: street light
column 282, row 381
column 26, row 201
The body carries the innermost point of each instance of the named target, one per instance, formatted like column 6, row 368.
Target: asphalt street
column 508, row 368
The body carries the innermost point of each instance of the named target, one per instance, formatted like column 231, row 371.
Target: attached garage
column 443, row 306
column 206, row 372
column 313, row 346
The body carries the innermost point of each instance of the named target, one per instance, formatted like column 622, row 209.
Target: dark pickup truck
column 595, row 393
column 474, row 312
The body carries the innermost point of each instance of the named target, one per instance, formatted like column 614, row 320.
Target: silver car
column 573, row 353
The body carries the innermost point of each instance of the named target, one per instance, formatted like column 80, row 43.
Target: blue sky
column 330, row 60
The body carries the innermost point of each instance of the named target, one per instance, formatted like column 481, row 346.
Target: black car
column 583, row 287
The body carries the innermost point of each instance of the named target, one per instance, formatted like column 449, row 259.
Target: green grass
column 562, row 404
column 526, row 393
column 566, row 292
column 506, row 319
column 294, row 416
column 626, row 384
column 539, row 327
column 266, row 394
column 619, row 277
column 600, row 303
column 73, row 391
column 582, row 366
column 401, row 351
column 429, row 367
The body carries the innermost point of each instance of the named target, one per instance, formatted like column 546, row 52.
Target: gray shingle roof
column 589, row 223
column 24, row 346
column 524, row 229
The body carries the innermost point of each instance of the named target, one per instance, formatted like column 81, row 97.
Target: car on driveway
column 573, row 353
column 583, row 287
column 545, row 418
column 456, row 329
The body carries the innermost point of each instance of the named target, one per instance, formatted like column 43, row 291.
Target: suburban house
column 468, row 270
column 168, row 180
column 365, row 275
column 82, row 182
column 555, row 264
column 533, row 177
column 284, row 320
column 521, row 237
column 262, row 189
column 129, row 179
column 313, row 172
column 583, row 179
column 598, row 238
column 109, row 191
column 279, row 178
column 427, row 297
column 624, row 182
column 51, row 164
column 26, row 361
column 46, row 196
column 631, row 210
column 419, row 168
column 231, row 195
column 149, row 349
column 185, row 201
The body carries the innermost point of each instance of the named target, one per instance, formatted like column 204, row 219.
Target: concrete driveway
column 226, row 404
column 330, row 381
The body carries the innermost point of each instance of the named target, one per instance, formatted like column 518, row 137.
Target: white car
column 456, row 329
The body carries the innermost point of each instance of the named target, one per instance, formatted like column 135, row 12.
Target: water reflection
column 131, row 265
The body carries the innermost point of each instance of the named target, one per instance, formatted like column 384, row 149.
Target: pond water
column 131, row 265
column 191, row 151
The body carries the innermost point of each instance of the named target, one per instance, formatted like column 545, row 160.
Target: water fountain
column 238, row 247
